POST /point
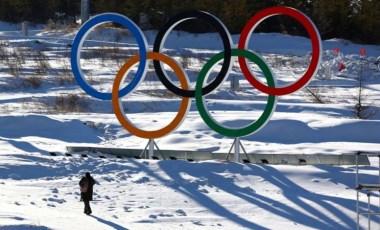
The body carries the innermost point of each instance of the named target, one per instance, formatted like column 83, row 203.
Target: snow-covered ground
column 40, row 191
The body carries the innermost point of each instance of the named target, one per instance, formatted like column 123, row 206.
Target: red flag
column 342, row 66
column 336, row 51
column 362, row 52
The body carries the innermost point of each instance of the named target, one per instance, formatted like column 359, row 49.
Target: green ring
column 246, row 130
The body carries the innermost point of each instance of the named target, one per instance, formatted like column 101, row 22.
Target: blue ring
column 78, row 42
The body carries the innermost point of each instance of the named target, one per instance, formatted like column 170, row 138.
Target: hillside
column 40, row 191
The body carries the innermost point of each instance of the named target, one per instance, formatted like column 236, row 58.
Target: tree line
column 356, row 20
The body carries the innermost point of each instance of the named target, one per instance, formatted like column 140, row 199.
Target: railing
column 369, row 189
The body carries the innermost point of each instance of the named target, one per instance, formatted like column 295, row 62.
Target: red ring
column 315, row 41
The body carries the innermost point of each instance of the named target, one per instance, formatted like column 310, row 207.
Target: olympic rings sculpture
column 200, row 89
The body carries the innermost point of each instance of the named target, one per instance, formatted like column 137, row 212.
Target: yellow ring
column 117, row 105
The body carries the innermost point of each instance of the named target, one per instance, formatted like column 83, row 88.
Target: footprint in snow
column 181, row 212
column 124, row 178
column 108, row 179
column 18, row 218
column 251, row 190
column 127, row 209
column 197, row 223
column 142, row 180
column 203, row 190
column 153, row 216
column 56, row 200
column 165, row 215
column 131, row 201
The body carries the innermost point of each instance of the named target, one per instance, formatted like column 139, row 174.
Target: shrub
column 70, row 103
column 33, row 81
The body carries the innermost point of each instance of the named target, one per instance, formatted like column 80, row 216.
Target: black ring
column 170, row 24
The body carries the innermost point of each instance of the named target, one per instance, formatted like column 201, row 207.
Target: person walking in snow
column 86, row 189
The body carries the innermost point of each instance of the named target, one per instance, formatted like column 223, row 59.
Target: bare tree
column 361, row 110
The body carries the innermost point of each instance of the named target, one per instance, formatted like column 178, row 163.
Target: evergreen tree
column 16, row 10
column 355, row 20
column 235, row 15
column 333, row 18
column 367, row 22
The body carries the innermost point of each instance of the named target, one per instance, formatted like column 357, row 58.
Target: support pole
column 236, row 146
column 237, row 149
column 245, row 152
column 151, row 148
column 162, row 155
column 85, row 10
column 24, row 28
column 143, row 153
column 369, row 210
column 369, row 188
column 357, row 190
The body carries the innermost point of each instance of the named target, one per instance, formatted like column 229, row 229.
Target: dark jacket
column 91, row 182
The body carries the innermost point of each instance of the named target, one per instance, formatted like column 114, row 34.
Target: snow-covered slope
column 40, row 191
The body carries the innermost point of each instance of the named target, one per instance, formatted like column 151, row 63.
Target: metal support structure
column 369, row 188
column 234, row 85
column 369, row 210
column 24, row 28
column 237, row 149
column 237, row 144
column 85, row 10
column 150, row 146
column 357, row 190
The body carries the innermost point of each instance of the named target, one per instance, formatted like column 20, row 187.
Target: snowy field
column 44, row 110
